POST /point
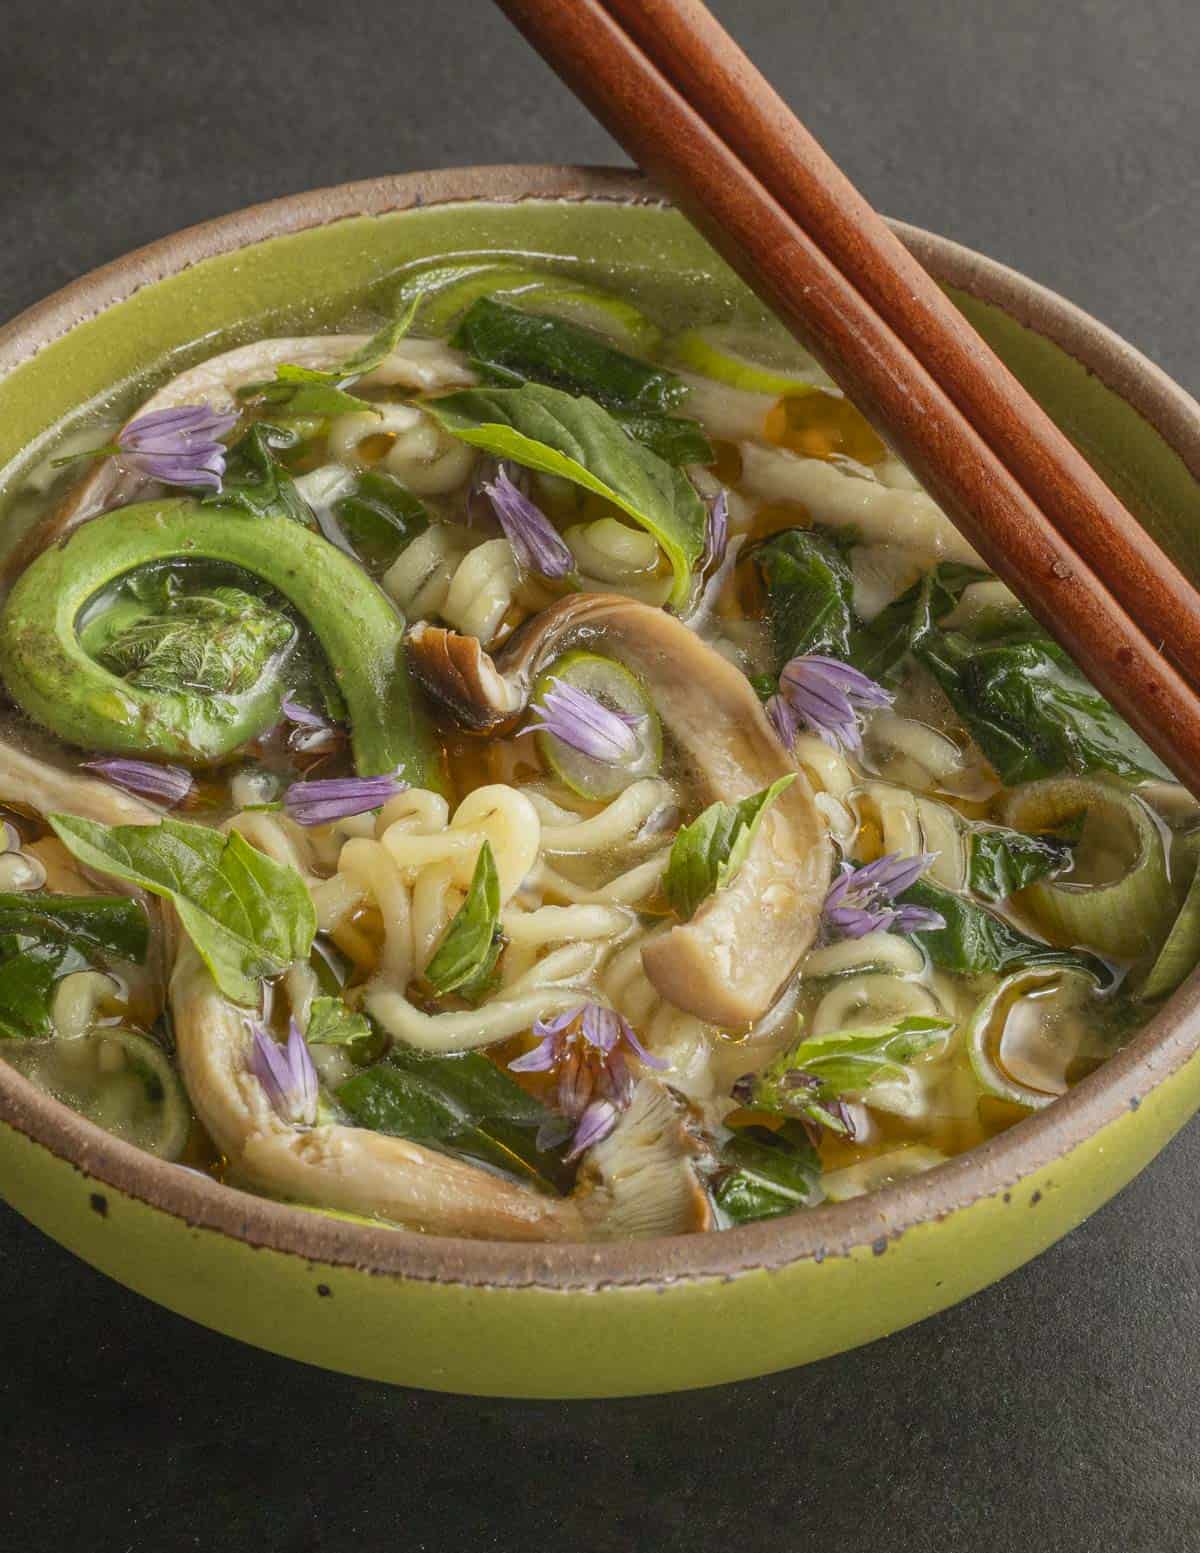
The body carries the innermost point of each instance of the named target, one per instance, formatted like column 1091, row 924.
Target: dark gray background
column 1058, row 1410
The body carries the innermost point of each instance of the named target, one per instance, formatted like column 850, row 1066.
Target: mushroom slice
column 333, row 1166
column 456, row 671
column 730, row 962
column 642, row 1180
column 420, row 365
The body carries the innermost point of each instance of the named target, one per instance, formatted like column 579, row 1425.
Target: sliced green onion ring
column 610, row 683
column 1180, row 954
column 1116, row 899
column 755, row 362
column 118, row 1078
column 1015, row 1038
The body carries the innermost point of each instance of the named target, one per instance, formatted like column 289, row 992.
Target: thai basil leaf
column 378, row 519
column 975, row 940
column 464, row 1103
column 105, row 925
column 247, row 915
column 331, row 1023
column 809, row 589
column 1004, row 861
column 304, row 391
column 255, row 483
column 845, row 1062
column 531, row 346
column 765, row 1174
column 218, row 642
column 707, row 854
column 381, row 344
column 880, row 648
column 29, row 973
column 465, row 960
column 1031, row 711
column 577, row 439
column 674, row 438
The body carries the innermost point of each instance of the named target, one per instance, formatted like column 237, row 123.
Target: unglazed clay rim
column 1166, row 1043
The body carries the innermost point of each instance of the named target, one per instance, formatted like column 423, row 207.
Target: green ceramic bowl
column 578, row 1320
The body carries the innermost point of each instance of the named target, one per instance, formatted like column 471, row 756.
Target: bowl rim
column 1166, row 1043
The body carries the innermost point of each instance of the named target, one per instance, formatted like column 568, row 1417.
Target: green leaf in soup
column 304, row 391
column 378, row 519
column 111, row 926
column 543, row 349
column 256, row 483
column 809, row 589
column 463, row 1103
column 29, row 972
column 975, row 941
column 881, row 647
column 1031, row 711
column 248, row 916
column 465, row 960
column 674, row 438
column 707, row 854
column 1003, row 861
column 219, row 642
column 765, row 1174
column 381, row 344
column 331, row 1023
column 578, row 440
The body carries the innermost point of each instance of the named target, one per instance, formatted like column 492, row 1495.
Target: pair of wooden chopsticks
column 672, row 87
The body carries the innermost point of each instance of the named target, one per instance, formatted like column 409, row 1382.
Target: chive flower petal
column 178, row 447
column 586, row 1047
column 536, row 543
column 825, row 696
column 338, row 798
column 286, row 1074
column 862, row 900
column 168, row 785
column 587, row 725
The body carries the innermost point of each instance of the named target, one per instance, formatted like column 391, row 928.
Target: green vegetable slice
column 463, row 1103
column 1116, row 897
column 975, row 940
column 764, row 1174
column 755, row 362
column 809, row 589
column 614, row 686
column 447, row 291
column 118, row 1078
column 509, row 343
column 377, row 520
column 1023, row 1054
column 1031, row 711
column 578, row 440
column 707, row 854
column 47, row 672
column 247, row 915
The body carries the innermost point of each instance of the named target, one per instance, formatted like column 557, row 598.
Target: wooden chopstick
column 778, row 259
column 695, row 53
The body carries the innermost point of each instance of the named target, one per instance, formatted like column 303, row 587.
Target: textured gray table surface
column 1058, row 1410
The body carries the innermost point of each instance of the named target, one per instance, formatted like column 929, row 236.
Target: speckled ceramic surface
column 579, row 1320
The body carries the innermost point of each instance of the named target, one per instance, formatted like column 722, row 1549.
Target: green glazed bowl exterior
column 562, row 1321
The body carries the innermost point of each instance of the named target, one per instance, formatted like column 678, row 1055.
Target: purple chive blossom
column 863, row 900
column 287, row 1075
column 583, row 1046
column 587, row 725
column 178, row 447
column 310, row 731
column 825, row 696
column 169, row 785
column 536, row 543
column 337, row 798
column 716, row 535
